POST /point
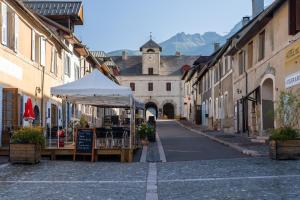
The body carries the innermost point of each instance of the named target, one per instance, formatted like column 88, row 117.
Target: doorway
column 267, row 103
column 151, row 110
column 168, row 111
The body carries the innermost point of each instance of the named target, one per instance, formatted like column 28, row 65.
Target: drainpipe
column 246, row 103
column 42, row 93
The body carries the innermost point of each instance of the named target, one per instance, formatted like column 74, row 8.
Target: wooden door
column 9, row 113
column 53, row 115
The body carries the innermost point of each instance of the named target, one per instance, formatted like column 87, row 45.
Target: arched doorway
column 151, row 110
column 36, row 121
column 168, row 111
column 267, row 103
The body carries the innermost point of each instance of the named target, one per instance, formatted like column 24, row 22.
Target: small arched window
column 150, row 51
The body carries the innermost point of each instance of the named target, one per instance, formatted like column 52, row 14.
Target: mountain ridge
column 188, row 44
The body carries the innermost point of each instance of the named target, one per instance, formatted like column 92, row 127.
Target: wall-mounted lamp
column 37, row 90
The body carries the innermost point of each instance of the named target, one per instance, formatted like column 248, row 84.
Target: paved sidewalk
column 3, row 160
column 238, row 142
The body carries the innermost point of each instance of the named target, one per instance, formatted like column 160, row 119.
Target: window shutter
column 43, row 51
column 10, row 28
column 32, row 45
column 297, row 15
column 37, row 48
column 4, row 23
column 52, row 60
column 16, row 32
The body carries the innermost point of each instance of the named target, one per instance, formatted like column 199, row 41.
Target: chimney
column 178, row 54
column 216, row 46
column 124, row 55
column 245, row 21
column 257, row 7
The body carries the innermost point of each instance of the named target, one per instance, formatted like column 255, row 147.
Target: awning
column 97, row 90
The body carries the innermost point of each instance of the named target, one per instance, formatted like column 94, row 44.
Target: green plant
column 84, row 122
column 284, row 133
column 29, row 135
column 287, row 115
column 145, row 130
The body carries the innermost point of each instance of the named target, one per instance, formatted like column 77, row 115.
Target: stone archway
column 151, row 110
column 169, row 111
column 267, row 104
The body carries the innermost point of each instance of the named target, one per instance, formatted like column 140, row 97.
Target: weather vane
column 150, row 35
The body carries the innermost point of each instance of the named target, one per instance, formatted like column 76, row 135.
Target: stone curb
column 234, row 146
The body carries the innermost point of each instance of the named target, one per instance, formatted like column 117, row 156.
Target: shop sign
column 293, row 52
column 292, row 80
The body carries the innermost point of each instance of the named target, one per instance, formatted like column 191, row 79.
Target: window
column 168, row 86
column 150, row 71
column 53, row 61
column 37, row 48
column 76, row 71
column 4, row 23
column 43, row 51
column 261, row 50
column 250, row 55
column 16, row 42
column 67, row 65
column 132, row 86
column 226, row 64
column 150, row 86
column 294, row 17
column 9, row 28
column 241, row 63
column 220, row 70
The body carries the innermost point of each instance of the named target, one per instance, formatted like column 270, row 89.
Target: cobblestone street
column 240, row 178
column 215, row 171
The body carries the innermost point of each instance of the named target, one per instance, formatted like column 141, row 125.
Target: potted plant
column 26, row 144
column 144, row 130
column 151, row 132
column 285, row 141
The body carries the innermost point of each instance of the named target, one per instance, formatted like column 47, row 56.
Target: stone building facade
column 155, row 79
column 265, row 58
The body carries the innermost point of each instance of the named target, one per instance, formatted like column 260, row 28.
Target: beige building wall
column 273, row 66
column 17, row 70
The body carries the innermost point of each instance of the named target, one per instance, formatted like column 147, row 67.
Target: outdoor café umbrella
column 28, row 113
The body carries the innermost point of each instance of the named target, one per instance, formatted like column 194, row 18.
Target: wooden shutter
column 294, row 16
column 52, row 60
column 33, row 46
column 9, row 112
column 11, row 28
column 37, row 48
column 297, row 12
column 4, row 23
column 16, row 41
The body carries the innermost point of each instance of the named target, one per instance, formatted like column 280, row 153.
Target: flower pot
column 284, row 150
column 25, row 153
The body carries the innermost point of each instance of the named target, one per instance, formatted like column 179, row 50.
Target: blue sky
column 126, row 24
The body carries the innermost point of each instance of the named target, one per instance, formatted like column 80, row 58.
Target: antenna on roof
column 150, row 35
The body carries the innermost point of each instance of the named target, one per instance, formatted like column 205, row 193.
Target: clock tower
column 151, row 57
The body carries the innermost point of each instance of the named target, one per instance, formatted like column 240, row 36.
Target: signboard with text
column 84, row 142
column 292, row 80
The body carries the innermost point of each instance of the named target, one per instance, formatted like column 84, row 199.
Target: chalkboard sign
column 84, row 144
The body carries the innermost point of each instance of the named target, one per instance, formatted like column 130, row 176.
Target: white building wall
column 159, row 95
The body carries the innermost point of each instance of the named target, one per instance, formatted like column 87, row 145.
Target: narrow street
column 181, row 144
